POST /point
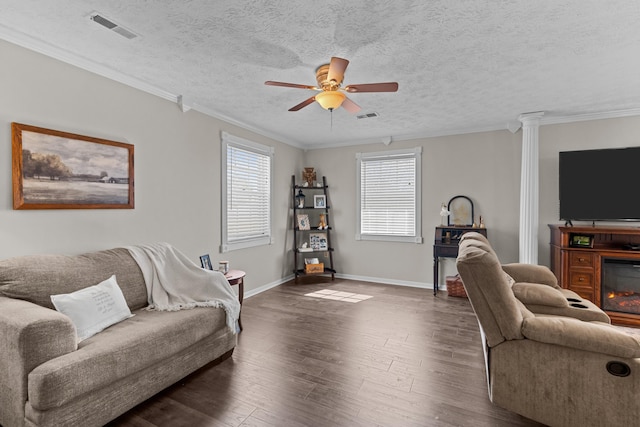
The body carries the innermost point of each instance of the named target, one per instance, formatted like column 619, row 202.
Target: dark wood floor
column 401, row 358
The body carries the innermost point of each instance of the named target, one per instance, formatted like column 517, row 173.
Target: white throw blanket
column 174, row 282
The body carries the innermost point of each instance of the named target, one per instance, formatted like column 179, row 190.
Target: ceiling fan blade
column 293, row 85
column 350, row 106
column 337, row 68
column 303, row 104
column 373, row 87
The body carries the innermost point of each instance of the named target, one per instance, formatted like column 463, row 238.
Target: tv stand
column 579, row 267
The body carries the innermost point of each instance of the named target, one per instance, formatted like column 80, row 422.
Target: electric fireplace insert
column 620, row 285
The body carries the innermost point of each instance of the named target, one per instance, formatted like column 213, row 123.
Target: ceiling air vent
column 367, row 116
column 109, row 24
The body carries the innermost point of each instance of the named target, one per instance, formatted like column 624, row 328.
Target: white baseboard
column 268, row 286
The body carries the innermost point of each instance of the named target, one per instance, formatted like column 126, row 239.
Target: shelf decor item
column 300, row 199
column 318, row 241
column 319, row 201
column 309, row 176
column 303, row 222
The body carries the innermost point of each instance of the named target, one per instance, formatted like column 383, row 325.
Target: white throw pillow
column 94, row 308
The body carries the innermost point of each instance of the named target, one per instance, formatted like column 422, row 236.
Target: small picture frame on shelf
column 319, row 201
column 581, row 240
column 303, row 222
column 205, row 262
column 318, row 241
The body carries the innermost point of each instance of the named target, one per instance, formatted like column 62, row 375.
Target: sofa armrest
column 29, row 336
column 588, row 336
column 530, row 273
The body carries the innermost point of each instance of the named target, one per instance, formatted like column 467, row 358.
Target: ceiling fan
column 331, row 95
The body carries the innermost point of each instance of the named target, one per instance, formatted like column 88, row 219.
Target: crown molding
column 18, row 38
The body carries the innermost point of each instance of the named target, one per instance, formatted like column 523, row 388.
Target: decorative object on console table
column 443, row 212
column 304, row 241
column 581, row 240
column 445, row 245
column 461, row 211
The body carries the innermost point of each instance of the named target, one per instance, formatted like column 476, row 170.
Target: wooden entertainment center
column 578, row 253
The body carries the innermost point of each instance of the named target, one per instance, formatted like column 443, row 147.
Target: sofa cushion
column 35, row 278
column 115, row 353
column 93, row 308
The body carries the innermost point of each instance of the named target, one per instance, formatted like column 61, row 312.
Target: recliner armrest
column 530, row 273
column 537, row 294
column 588, row 336
column 29, row 336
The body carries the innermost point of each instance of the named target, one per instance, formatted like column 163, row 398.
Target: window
column 246, row 193
column 389, row 196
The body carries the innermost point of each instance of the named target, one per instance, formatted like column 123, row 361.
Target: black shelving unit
column 300, row 236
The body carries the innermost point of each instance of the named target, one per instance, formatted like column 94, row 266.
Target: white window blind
column 246, row 192
column 389, row 196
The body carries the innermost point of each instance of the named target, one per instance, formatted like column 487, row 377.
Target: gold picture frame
column 61, row 170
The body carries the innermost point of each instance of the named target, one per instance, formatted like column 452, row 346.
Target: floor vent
column 109, row 24
column 367, row 116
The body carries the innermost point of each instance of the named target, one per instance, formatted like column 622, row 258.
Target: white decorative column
column 529, row 188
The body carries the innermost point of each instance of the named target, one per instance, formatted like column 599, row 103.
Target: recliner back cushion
column 497, row 309
column 35, row 278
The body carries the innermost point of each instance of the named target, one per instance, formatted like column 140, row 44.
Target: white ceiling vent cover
column 367, row 116
column 109, row 24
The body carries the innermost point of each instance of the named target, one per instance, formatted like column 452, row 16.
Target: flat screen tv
column 600, row 185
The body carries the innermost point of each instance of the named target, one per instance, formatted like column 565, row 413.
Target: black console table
column 446, row 245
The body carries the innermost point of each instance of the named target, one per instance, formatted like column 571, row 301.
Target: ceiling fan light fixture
column 330, row 100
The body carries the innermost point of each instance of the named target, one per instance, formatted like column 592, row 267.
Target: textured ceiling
column 461, row 65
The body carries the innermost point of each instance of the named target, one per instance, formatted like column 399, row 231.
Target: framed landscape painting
column 61, row 170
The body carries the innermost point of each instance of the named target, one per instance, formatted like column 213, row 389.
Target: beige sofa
column 565, row 368
column 48, row 379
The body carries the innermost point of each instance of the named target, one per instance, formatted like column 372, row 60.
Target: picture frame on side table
column 319, row 201
column 303, row 222
column 61, row 170
column 205, row 262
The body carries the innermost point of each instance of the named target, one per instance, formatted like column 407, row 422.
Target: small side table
column 236, row 277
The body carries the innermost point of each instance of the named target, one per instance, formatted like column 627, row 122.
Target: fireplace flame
column 625, row 301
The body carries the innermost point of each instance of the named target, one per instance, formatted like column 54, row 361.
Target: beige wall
column 482, row 166
column 177, row 175
column 177, row 168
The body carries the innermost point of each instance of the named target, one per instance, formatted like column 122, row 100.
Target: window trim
column 415, row 153
column 236, row 141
